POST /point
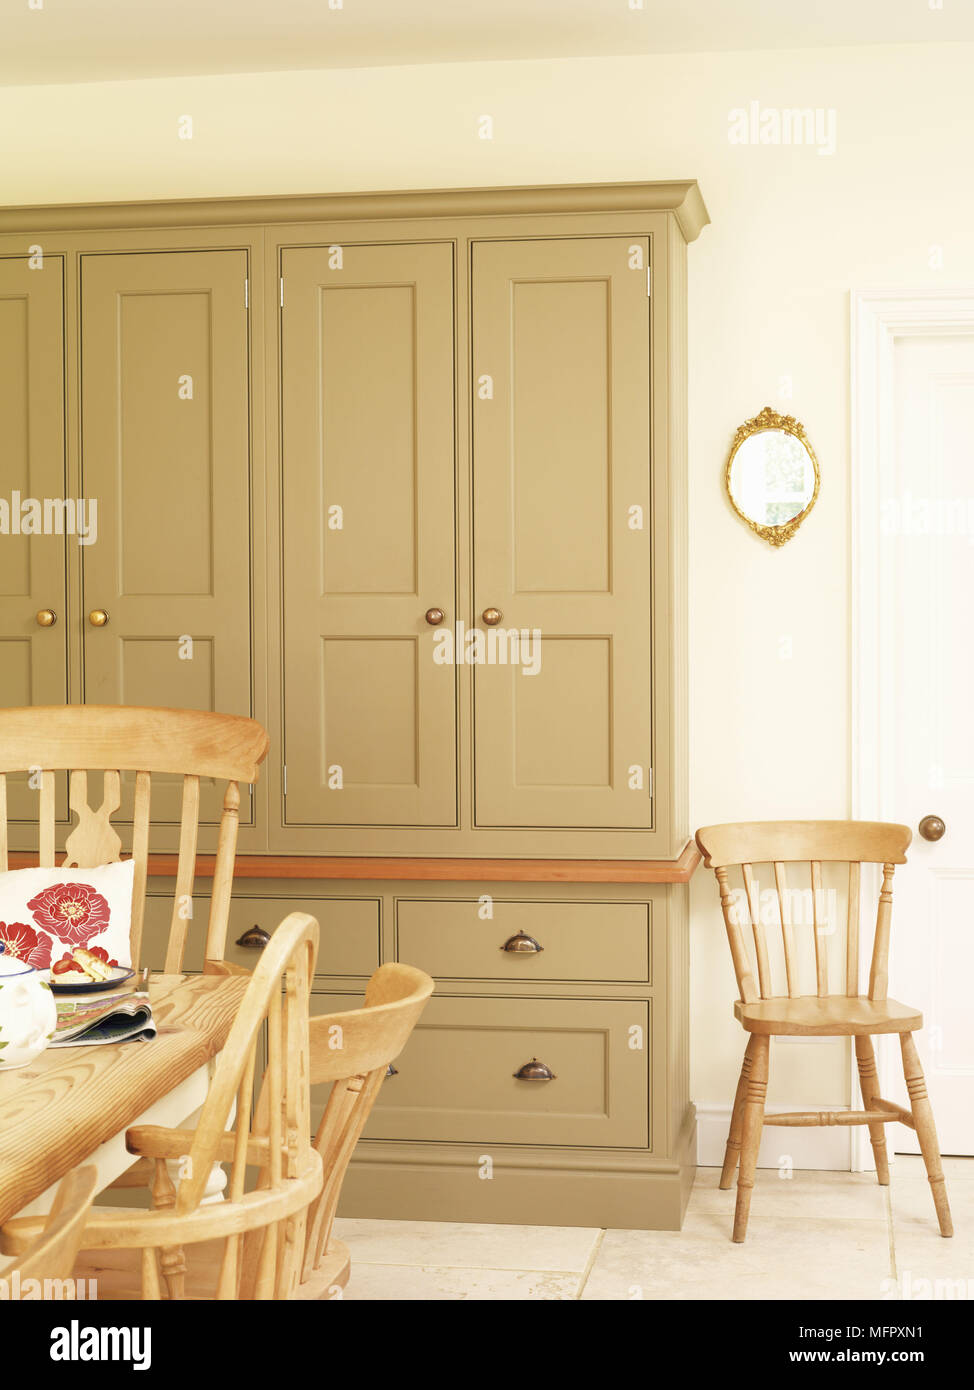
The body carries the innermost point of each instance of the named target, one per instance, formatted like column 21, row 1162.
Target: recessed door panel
column 35, row 515
column 368, row 437
column 561, row 356
column 166, row 451
column 563, row 715
column 562, row 507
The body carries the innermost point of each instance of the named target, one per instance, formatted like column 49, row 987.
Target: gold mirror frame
column 769, row 419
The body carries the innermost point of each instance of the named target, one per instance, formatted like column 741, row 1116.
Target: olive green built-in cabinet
column 403, row 476
column 165, row 449
column 126, row 406
column 33, row 647
column 562, row 460
column 480, row 459
column 368, row 454
column 581, row 988
column 33, row 666
column 560, row 468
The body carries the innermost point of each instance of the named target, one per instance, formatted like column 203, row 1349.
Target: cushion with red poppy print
column 46, row 913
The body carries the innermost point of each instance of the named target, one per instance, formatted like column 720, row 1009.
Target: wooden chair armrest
column 19, row 1233
column 224, row 967
column 156, row 1141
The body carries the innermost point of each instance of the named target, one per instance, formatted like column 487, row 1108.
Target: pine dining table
column 73, row 1105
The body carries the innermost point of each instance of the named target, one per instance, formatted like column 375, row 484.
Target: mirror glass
column 772, row 475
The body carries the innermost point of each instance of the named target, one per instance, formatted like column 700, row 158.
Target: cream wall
column 792, row 232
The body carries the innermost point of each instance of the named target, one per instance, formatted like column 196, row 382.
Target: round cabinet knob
column 98, row 617
column 46, row 617
column 932, row 828
column 492, row 616
column 535, row 1071
column 254, row 937
column 520, row 944
column 434, row 616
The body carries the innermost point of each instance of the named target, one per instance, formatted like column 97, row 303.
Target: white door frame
column 878, row 317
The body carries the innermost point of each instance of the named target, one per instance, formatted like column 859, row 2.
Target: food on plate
column 91, row 964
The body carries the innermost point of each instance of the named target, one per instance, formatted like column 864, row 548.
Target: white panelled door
column 927, row 698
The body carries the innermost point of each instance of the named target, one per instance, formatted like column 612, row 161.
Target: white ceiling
column 114, row 40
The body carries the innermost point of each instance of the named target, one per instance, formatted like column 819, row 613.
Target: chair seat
column 836, row 1016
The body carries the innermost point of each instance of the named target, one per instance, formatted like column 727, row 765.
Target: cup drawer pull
column 535, row 1071
column 255, row 937
column 520, row 944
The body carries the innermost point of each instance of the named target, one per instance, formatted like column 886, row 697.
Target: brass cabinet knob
column 932, row 828
column 46, row 617
column 520, row 944
column 254, row 937
column 98, row 617
column 434, row 616
column 535, row 1071
column 492, row 616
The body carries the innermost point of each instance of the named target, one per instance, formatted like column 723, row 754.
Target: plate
column 118, row 976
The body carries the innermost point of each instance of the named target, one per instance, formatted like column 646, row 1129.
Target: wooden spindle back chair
column 353, row 1052
column 112, row 739
column 836, row 1008
column 53, row 1254
column 251, row 1244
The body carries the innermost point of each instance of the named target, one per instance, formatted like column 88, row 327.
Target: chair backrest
column 778, row 844
column 54, row 1253
column 278, row 1141
column 79, row 739
column 353, row 1051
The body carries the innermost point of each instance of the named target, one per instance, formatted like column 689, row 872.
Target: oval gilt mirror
column 772, row 476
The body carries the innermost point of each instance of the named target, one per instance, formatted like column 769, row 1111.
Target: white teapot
column 28, row 1013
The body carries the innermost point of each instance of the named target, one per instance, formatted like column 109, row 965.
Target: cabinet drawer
column 348, row 945
column 455, row 1079
column 580, row 941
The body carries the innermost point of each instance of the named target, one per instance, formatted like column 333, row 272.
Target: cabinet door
column 561, row 363
column 33, row 664
column 368, row 480
column 166, row 451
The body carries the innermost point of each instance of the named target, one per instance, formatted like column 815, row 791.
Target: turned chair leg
column 753, row 1123
column 926, row 1130
column 733, row 1150
column 869, row 1085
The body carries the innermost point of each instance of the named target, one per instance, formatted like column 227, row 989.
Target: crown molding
column 680, row 197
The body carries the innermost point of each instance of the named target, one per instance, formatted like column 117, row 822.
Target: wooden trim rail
column 296, row 866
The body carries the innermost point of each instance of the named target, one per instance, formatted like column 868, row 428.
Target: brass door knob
column 98, row 617
column 46, row 617
column 520, row 944
column 492, row 616
column 434, row 616
column 535, row 1071
column 254, row 937
column 932, row 828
